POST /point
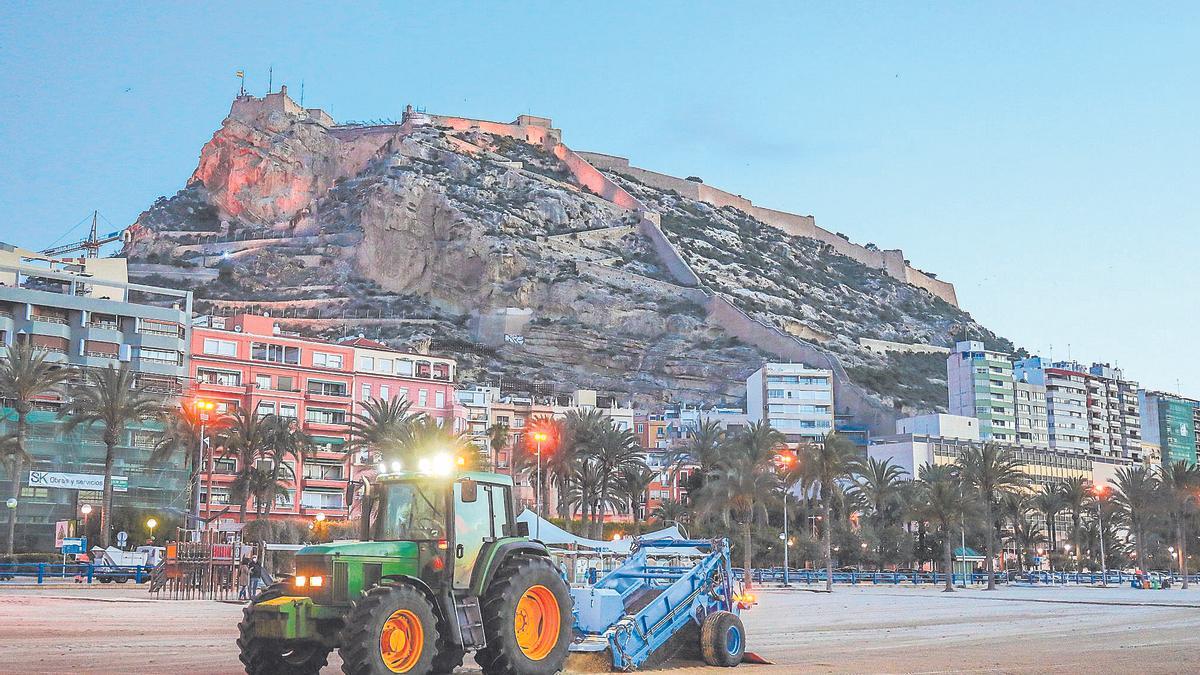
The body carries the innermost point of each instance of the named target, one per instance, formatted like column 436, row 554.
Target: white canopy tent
column 555, row 537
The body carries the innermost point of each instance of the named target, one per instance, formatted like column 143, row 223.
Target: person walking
column 243, row 578
column 256, row 572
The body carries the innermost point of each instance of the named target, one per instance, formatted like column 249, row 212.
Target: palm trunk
column 106, row 510
column 827, row 539
column 18, row 469
column 1181, row 544
column 991, row 545
column 948, row 558
column 1075, row 538
column 747, row 543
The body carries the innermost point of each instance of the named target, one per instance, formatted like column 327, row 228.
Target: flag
column 241, row 73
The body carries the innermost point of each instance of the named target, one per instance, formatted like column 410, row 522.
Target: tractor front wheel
column 390, row 629
column 527, row 619
column 263, row 656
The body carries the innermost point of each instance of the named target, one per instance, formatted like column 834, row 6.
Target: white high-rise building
column 795, row 399
column 981, row 386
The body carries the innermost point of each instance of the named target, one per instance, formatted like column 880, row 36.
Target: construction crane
column 90, row 246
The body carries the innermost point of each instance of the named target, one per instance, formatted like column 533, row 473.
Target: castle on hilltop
column 588, row 168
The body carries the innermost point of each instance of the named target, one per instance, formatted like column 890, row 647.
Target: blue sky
column 1042, row 158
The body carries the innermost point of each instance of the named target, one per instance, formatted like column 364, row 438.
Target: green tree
column 1180, row 483
column 1076, row 492
column 616, row 451
column 671, row 510
column 1136, row 498
column 989, row 471
column 108, row 398
column 283, row 441
column 942, row 501
column 743, row 482
column 384, row 426
column 243, row 436
column 497, row 439
column 826, row 465
column 25, row 376
column 632, row 484
column 181, row 435
column 1050, row 502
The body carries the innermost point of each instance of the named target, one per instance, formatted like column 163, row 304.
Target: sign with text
column 62, row 529
column 74, row 545
column 76, row 481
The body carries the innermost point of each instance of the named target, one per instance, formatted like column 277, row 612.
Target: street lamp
column 1099, row 490
column 203, row 408
column 11, row 503
column 538, row 437
column 151, row 523
column 786, row 460
column 320, row 517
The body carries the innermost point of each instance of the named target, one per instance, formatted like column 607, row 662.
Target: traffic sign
column 61, row 529
column 74, row 545
column 122, row 537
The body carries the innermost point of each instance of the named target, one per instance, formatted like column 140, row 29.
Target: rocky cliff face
column 416, row 234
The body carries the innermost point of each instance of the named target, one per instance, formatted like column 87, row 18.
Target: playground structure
column 203, row 569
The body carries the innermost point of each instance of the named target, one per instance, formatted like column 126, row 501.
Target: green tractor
column 442, row 569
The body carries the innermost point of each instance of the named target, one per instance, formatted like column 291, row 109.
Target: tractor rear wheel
column 527, row 619
column 263, row 656
column 390, row 629
column 722, row 639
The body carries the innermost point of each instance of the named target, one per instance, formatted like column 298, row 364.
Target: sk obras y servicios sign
column 75, row 481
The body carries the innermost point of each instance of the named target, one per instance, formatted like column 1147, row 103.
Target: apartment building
column 88, row 316
column 1114, row 415
column 795, row 399
column 1066, row 401
column 426, row 382
column 1169, row 423
column 1031, row 420
column 247, row 362
column 980, row 383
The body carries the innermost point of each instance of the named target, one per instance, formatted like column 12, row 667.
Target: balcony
column 328, row 396
column 42, row 318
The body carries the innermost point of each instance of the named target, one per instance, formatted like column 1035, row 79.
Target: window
column 323, row 416
column 219, row 496
column 439, row 399
column 225, row 466
column 226, row 378
column 262, row 381
column 220, row 347
column 158, row 355
column 324, row 388
column 322, row 499
column 264, row 351
column 285, row 383
column 424, row 369
column 285, row 500
column 157, row 327
column 101, row 349
column 422, row 398
column 265, row 408
column 404, row 367
column 384, row 392
column 385, row 366
column 287, row 410
column 366, row 391
column 441, row 371
column 366, row 363
column 315, row 471
column 322, row 360
column 774, row 393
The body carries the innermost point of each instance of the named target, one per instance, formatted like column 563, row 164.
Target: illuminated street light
column 85, row 509
column 151, row 523
column 11, row 503
column 320, row 517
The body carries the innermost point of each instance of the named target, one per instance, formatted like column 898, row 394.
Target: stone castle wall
column 889, row 261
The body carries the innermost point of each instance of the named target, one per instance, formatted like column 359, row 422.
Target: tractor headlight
column 316, row 582
column 300, row 580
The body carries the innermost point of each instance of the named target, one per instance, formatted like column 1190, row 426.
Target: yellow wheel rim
column 401, row 641
column 537, row 622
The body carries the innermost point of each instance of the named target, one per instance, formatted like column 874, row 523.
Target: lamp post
column 1099, row 491
column 538, row 437
column 151, row 523
column 786, row 461
column 202, row 407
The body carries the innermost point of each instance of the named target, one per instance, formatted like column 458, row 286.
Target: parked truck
column 115, row 565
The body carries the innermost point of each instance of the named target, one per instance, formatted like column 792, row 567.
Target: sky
column 1040, row 156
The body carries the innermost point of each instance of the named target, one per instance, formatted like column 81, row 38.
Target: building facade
column 87, row 316
column 980, row 384
column 795, row 399
column 1170, row 425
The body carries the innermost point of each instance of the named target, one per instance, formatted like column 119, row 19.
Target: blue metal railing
column 85, row 573
column 810, row 576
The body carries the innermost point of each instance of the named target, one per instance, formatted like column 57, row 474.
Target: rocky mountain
column 496, row 244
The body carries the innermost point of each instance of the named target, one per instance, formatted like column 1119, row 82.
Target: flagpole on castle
column 241, row 76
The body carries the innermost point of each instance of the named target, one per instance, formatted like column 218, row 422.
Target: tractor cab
column 441, row 568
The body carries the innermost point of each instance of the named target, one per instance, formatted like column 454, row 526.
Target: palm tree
column 671, row 510
column 632, row 484
column 25, row 376
column 264, row 486
column 181, row 434
column 942, row 501
column 743, row 481
column 1136, row 499
column 244, row 437
column 1014, row 507
column 383, row 426
column 1179, row 482
column 497, row 438
column 1075, row 492
column 615, row 451
column 877, row 486
column 826, row 465
column 108, row 398
column 989, row 471
column 1050, row 502
column 283, row 440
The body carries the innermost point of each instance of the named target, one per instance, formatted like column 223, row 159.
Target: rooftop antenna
column 301, row 93
column 270, row 79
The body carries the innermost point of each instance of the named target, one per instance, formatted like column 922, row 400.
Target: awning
column 968, row 553
column 332, row 440
column 556, row 537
